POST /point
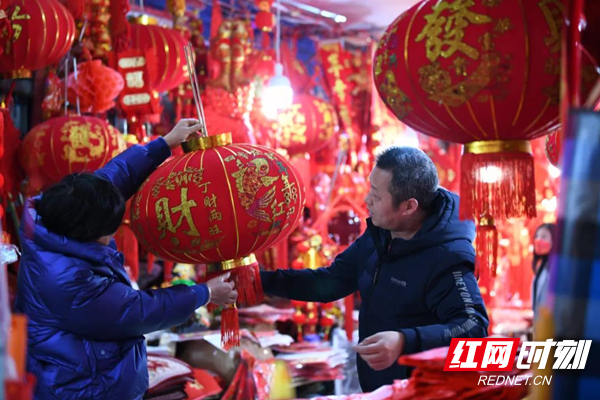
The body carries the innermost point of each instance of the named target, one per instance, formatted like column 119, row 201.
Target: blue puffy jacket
column 423, row 287
column 85, row 320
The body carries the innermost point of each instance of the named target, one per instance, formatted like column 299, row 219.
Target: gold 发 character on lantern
column 214, row 230
column 215, row 215
column 135, row 79
column 163, row 215
column 210, row 201
column 451, row 29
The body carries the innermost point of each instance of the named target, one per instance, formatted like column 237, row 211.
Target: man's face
column 380, row 204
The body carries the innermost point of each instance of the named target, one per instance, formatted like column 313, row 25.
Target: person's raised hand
column 222, row 292
column 182, row 131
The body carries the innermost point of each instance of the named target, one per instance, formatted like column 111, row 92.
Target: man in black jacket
column 413, row 267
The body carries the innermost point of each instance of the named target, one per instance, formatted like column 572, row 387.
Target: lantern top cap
column 208, row 142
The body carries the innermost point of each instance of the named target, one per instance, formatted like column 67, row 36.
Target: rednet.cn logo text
column 498, row 354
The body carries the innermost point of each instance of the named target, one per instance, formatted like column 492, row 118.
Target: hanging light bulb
column 278, row 95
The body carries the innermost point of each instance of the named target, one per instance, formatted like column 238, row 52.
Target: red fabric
column 37, row 20
column 217, row 204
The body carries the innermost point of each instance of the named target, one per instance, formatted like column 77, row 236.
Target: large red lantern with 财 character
column 307, row 125
column 65, row 145
column 485, row 73
column 36, row 33
column 221, row 202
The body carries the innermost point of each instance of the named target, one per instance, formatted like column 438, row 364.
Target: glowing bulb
column 490, row 174
column 553, row 171
column 278, row 95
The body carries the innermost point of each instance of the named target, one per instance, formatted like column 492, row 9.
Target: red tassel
column 259, row 293
column 230, row 327
column 486, row 247
column 243, row 277
column 499, row 184
column 150, row 258
column 168, row 270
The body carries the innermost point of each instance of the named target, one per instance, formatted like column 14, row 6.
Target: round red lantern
column 307, row 125
column 42, row 31
column 221, row 202
column 485, row 73
column 265, row 21
column 167, row 46
column 65, row 145
column 96, row 87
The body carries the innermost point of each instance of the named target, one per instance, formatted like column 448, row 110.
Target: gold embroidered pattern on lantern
column 83, row 142
column 396, row 98
column 249, row 179
column 188, row 176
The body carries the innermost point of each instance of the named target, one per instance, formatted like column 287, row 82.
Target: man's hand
column 181, row 132
column 221, row 292
column 381, row 350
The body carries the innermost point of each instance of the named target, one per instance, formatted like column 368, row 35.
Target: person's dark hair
column 543, row 258
column 82, row 207
column 413, row 175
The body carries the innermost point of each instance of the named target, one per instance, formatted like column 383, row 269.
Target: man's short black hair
column 82, row 207
column 413, row 175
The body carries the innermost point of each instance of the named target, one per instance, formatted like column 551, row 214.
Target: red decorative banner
column 336, row 72
column 137, row 98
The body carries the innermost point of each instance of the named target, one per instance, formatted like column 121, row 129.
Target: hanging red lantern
column 240, row 128
column 96, row 87
column 307, row 125
column 222, row 202
column 41, row 32
column 65, row 145
column 167, row 45
column 478, row 74
column 219, row 203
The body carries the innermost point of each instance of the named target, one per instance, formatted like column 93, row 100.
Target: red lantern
column 96, row 87
column 167, row 45
column 240, row 128
column 265, row 21
column 478, row 73
column 219, row 203
column 65, row 145
column 42, row 31
column 307, row 125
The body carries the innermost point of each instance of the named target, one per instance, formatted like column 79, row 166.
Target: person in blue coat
column 85, row 320
column 413, row 266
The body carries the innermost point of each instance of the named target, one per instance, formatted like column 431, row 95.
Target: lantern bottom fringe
column 247, row 283
column 486, row 247
column 501, row 185
column 230, row 328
